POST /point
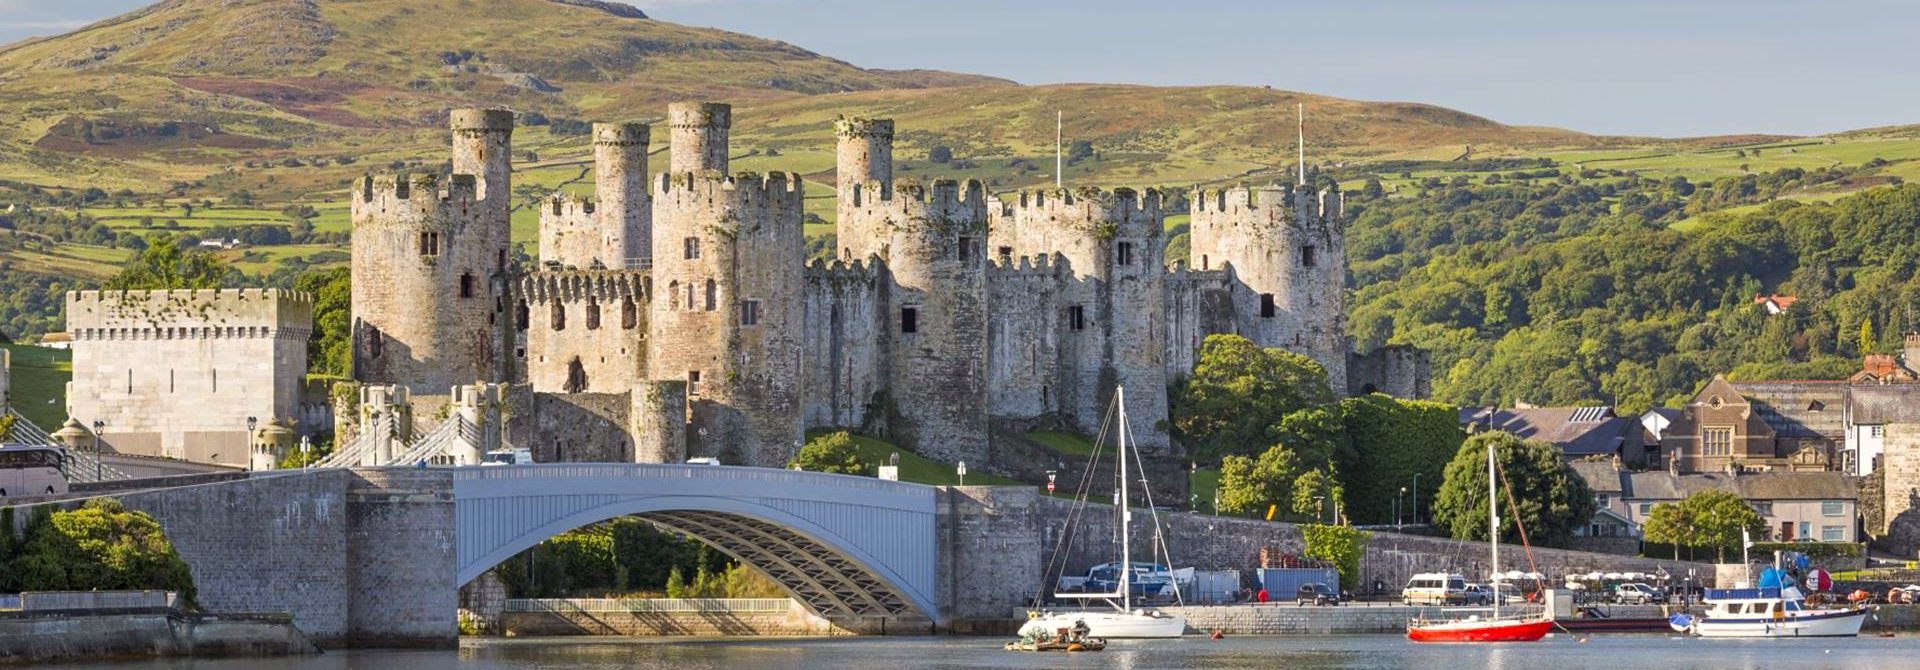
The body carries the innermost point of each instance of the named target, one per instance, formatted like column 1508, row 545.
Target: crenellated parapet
column 1094, row 213
column 1180, row 277
column 411, row 199
column 604, row 286
column 1036, row 266
column 910, row 204
column 838, row 273
column 743, row 200
column 1271, row 203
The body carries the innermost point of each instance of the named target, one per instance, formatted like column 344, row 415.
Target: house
column 1775, row 304
column 1768, row 426
column 1819, row 506
column 1579, row 432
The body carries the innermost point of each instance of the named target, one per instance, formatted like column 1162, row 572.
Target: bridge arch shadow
column 842, row 546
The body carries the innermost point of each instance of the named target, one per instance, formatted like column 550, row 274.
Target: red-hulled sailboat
column 1492, row 628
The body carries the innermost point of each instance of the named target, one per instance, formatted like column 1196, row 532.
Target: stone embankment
column 50, row 636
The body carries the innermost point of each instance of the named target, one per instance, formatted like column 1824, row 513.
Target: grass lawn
column 39, row 387
column 919, row 469
column 1202, row 484
column 1073, row 444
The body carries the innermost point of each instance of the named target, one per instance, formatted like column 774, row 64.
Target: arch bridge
column 843, row 546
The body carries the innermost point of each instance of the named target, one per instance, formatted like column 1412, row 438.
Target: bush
column 1341, row 546
column 1811, row 549
column 833, row 453
column 101, row 546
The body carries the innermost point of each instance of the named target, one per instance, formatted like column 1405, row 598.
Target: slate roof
column 1601, row 476
column 1660, row 485
column 1881, row 404
column 1577, row 431
column 1799, row 409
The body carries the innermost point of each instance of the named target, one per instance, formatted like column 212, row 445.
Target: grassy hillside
column 39, row 383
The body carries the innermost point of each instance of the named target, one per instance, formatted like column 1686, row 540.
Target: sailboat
column 1122, row 620
column 1492, row 628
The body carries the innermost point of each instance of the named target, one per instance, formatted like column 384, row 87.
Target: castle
column 678, row 316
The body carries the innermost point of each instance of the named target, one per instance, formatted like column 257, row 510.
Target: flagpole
column 1059, row 121
column 1300, row 114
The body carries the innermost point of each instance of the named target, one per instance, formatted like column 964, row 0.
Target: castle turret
column 699, row 139
column 1112, row 298
column 728, row 308
column 620, row 183
column 929, row 241
column 427, row 257
column 1286, row 253
column 865, row 173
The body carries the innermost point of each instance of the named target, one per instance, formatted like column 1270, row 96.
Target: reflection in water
column 1370, row 652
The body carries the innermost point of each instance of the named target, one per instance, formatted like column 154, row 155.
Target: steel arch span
column 844, row 546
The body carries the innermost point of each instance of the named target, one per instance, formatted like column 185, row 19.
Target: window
column 429, row 243
column 1603, row 499
column 1833, row 508
column 557, row 315
column 1267, row 309
column 691, row 248
column 1876, row 431
column 713, row 296
column 1006, row 253
column 1806, row 529
column 689, row 296
column 909, row 320
column 1203, row 261
column 1763, row 507
column 1308, row 256
column 466, row 285
column 593, row 315
column 1076, row 318
column 375, row 344
column 966, row 249
column 1646, row 509
column 1716, row 441
column 749, row 312
column 693, row 382
column 629, row 314
column 673, row 294
column 1833, row 533
column 1123, row 254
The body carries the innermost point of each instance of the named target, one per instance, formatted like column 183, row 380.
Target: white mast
column 1493, row 528
column 1126, row 511
column 1059, row 121
column 1300, row 114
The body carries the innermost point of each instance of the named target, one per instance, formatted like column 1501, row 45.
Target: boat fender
column 1216, row 635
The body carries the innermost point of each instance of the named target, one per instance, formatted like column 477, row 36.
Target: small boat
column 1778, row 611
column 1493, row 628
column 1065, row 639
column 1122, row 620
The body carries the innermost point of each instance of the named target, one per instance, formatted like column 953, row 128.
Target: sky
column 1620, row 67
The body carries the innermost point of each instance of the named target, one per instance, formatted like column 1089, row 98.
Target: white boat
column 1769, row 612
column 1122, row 619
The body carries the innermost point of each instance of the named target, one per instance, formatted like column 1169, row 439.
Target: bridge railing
column 650, row 605
column 616, row 470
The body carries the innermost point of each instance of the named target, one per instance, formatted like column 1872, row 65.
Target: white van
column 1435, row 588
column 27, row 470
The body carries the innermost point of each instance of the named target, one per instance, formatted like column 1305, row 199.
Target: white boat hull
column 1110, row 625
column 1805, row 623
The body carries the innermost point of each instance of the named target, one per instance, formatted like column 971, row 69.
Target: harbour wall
column 44, row 637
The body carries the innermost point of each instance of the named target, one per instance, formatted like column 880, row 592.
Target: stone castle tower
column 1284, row 249
column 926, row 241
column 427, row 255
column 728, row 256
column 614, row 229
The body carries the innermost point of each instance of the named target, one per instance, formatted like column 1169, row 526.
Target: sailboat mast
column 1126, row 511
column 1493, row 528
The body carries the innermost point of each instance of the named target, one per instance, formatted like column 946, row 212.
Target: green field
column 1072, row 444
column 39, row 383
column 919, row 469
column 1202, row 484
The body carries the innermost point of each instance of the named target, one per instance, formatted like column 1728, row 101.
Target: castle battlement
column 390, row 197
column 1049, row 265
column 603, row 286
column 746, row 189
column 1249, row 201
column 622, row 134
column 1121, row 205
column 854, row 126
column 946, row 199
column 183, row 309
column 1179, row 275
column 843, row 272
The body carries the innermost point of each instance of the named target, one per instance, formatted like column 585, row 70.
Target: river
column 1608, row 652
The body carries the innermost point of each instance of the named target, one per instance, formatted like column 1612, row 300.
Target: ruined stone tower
column 1113, row 285
column 426, row 255
column 614, row 228
column 1285, row 252
column 928, row 240
column 727, row 311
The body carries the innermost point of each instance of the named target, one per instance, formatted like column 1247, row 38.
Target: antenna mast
column 1059, row 121
column 1300, row 114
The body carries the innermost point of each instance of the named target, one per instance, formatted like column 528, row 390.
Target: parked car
column 1635, row 593
column 1315, row 593
column 1435, row 588
column 1478, row 594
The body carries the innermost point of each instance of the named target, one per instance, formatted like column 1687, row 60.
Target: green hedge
column 1811, row 549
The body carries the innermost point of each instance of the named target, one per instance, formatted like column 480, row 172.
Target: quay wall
column 34, row 637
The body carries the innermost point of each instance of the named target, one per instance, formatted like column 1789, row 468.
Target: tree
column 1250, row 485
column 1712, row 518
column 1078, row 151
column 1238, row 392
column 1373, row 190
column 1343, row 546
column 163, row 265
column 6, row 430
column 1318, row 492
column 834, row 453
column 1552, row 500
column 101, row 546
column 1866, row 336
column 940, row 154
column 1388, row 442
column 330, row 348
column 676, row 584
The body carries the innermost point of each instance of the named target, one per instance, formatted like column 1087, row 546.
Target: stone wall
column 582, row 330
column 1199, row 303
column 991, row 554
column 1901, row 487
column 1400, row 371
column 1023, row 336
column 38, row 638
column 576, row 428
column 845, row 318
column 1286, row 250
column 795, row 621
column 177, row 373
column 400, row 561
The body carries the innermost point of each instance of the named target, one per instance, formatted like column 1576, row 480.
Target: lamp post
column 1416, row 499
column 962, row 470
column 99, row 433
column 1397, row 506
column 1319, row 509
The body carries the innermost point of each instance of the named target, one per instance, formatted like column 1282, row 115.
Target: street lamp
column 1397, row 502
column 99, row 432
column 1416, row 498
column 1319, row 509
column 962, row 469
